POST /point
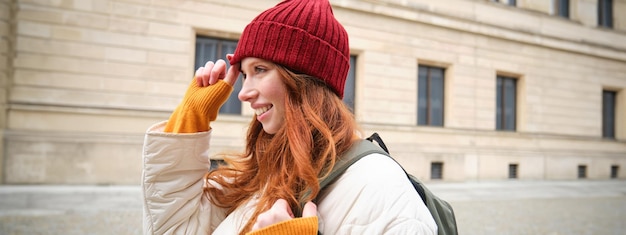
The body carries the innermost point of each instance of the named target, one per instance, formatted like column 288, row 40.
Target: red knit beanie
column 302, row 35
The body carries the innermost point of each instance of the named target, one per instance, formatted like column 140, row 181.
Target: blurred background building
column 460, row 90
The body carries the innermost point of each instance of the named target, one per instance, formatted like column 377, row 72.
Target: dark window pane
column 582, row 171
column 512, row 171
column 506, row 103
column 233, row 104
column 436, row 114
column 608, row 114
column 562, row 8
column 436, row 170
column 228, row 47
column 348, row 90
column 205, row 51
column 499, row 103
column 215, row 163
column 605, row 13
column 513, row 2
column 509, row 103
column 614, row 171
column 430, row 100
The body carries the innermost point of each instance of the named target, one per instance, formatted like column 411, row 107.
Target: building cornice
column 503, row 22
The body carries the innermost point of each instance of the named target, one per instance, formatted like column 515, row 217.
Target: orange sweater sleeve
column 199, row 107
column 300, row 226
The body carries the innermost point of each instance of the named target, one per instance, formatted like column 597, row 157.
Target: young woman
column 294, row 59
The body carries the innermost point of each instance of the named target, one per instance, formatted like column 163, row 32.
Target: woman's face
column 264, row 89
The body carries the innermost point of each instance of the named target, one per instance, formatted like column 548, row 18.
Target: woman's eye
column 259, row 69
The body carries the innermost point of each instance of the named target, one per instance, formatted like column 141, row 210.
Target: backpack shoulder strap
column 381, row 144
column 359, row 150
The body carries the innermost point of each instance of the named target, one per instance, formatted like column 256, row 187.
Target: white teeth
column 260, row 111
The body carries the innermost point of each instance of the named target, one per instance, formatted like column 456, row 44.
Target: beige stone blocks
column 58, row 158
column 76, row 120
column 538, row 5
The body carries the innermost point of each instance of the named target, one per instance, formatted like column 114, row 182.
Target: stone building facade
column 460, row 90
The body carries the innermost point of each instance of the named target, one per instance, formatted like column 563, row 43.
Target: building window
column 582, row 171
column 506, row 103
column 608, row 114
column 436, row 170
column 215, row 163
column 614, row 171
column 561, row 8
column 212, row 49
column 348, row 90
column 509, row 2
column 512, row 171
column 513, row 2
column 430, row 96
column 605, row 13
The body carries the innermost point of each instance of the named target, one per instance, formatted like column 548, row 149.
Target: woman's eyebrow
column 242, row 66
column 250, row 64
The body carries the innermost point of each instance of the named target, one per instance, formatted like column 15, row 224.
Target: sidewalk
column 70, row 210
column 492, row 207
column 513, row 189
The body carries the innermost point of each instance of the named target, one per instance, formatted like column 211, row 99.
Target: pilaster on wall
column 619, row 20
column 6, row 42
column 586, row 11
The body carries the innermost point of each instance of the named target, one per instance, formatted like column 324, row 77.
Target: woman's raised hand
column 212, row 72
column 203, row 98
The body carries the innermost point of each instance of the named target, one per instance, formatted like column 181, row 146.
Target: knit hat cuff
column 297, row 50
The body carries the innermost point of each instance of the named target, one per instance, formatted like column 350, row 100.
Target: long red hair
column 318, row 128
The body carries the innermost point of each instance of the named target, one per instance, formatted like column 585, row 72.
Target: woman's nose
column 247, row 92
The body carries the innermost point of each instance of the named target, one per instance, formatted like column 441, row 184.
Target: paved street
column 503, row 207
column 546, row 208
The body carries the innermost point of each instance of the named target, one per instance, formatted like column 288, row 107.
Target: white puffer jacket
column 373, row 196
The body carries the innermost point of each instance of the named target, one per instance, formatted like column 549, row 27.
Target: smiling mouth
column 263, row 110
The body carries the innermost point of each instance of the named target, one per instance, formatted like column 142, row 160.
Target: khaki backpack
column 440, row 210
